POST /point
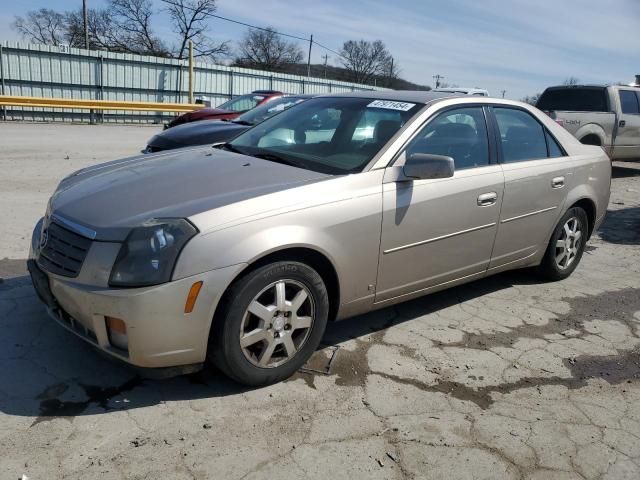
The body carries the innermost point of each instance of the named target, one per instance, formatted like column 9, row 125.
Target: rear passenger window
column 460, row 133
column 523, row 138
column 554, row 149
column 629, row 102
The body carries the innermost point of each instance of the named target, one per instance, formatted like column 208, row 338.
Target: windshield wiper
column 228, row 146
column 242, row 122
column 272, row 157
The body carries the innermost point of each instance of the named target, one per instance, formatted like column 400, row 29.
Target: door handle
column 622, row 123
column 487, row 199
column 557, row 182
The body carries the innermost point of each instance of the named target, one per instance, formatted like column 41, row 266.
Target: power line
column 330, row 50
column 220, row 17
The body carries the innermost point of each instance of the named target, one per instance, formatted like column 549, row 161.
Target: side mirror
column 422, row 166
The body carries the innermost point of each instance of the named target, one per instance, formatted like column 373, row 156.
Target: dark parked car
column 214, row 131
column 228, row 110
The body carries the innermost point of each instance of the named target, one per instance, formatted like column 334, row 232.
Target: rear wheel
column 566, row 245
column 271, row 322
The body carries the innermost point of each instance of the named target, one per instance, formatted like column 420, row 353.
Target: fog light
column 117, row 330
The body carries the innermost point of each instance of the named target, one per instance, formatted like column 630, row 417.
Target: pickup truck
column 607, row 116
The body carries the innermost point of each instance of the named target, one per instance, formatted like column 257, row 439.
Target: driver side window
column 460, row 133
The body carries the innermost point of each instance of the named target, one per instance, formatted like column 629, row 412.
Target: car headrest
column 461, row 131
column 519, row 135
column 385, row 129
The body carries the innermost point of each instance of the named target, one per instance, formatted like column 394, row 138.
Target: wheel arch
column 592, row 132
column 316, row 259
column 589, row 206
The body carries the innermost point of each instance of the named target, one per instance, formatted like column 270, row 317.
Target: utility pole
column 190, row 71
column 503, row 92
column 390, row 73
column 437, row 78
column 325, row 57
column 86, row 24
column 309, row 58
column 85, row 21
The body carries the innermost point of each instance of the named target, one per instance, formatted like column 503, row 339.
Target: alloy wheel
column 277, row 323
column 568, row 244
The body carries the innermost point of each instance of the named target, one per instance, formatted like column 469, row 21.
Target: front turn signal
column 194, row 291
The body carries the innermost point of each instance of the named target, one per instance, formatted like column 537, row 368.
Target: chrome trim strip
column 79, row 229
column 442, row 237
column 506, row 220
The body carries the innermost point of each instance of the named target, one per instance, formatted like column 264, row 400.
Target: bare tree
column 531, row 99
column 189, row 22
column 103, row 29
column 132, row 19
column 44, row 26
column 365, row 59
column 571, row 81
column 266, row 50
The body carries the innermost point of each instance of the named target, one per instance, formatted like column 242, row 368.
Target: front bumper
column 159, row 333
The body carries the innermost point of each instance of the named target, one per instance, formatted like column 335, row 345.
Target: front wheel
column 271, row 322
column 566, row 245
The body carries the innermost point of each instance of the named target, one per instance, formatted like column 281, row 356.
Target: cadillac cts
column 239, row 254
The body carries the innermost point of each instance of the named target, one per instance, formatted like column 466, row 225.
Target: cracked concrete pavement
column 506, row 377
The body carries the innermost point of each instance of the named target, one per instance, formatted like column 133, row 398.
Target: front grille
column 64, row 251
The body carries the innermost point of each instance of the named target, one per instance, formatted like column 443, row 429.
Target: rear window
column 574, row 100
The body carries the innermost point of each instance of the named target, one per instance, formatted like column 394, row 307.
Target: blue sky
column 520, row 46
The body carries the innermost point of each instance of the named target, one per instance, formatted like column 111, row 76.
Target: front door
column 436, row 231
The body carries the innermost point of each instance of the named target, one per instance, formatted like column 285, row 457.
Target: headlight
column 149, row 253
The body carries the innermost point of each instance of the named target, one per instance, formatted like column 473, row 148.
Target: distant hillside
column 343, row 75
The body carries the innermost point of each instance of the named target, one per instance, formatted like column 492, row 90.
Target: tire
column 555, row 265
column 279, row 313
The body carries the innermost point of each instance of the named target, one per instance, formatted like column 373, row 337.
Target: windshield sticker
column 391, row 105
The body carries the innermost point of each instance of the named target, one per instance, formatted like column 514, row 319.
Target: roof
column 416, row 96
column 562, row 87
column 461, row 90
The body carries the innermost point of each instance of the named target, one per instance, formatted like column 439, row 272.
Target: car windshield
column 261, row 113
column 335, row 135
column 241, row 103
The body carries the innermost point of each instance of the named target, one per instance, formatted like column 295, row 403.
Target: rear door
column 627, row 143
column 537, row 178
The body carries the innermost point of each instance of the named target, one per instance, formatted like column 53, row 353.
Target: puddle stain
column 351, row 368
column 621, row 226
column 52, row 407
column 615, row 306
column 614, row 370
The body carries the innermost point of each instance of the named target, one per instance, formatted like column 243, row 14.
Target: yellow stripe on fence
column 18, row 101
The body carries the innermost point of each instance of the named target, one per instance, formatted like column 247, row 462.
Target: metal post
column 190, row 71
column 101, row 86
column 230, row 84
column 179, row 85
column 309, row 58
column 4, row 109
column 270, row 82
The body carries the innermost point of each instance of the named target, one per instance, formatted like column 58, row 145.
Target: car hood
column 195, row 133
column 112, row 198
column 209, row 112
